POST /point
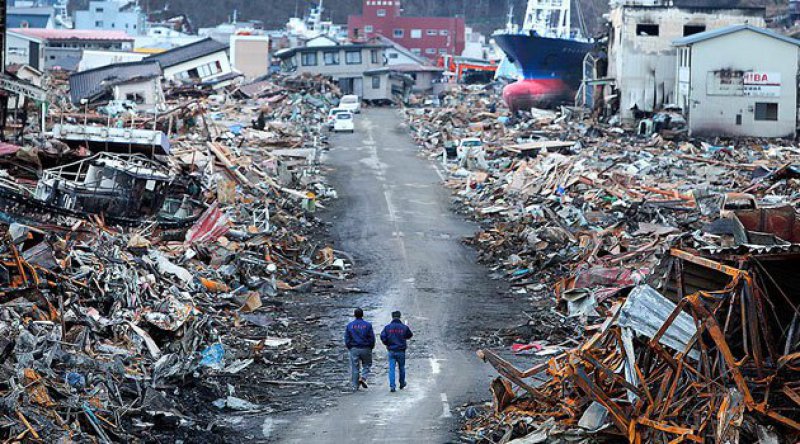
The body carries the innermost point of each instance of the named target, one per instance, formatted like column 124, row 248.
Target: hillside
column 483, row 15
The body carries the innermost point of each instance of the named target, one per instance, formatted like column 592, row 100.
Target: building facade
column 738, row 81
column 112, row 15
column 641, row 58
column 430, row 37
column 345, row 64
column 47, row 49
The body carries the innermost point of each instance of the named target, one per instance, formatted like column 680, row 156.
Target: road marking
column 435, row 367
column 438, row 171
column 445, row 407
column 390, row 206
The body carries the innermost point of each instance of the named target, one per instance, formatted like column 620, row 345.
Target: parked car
column 350, row 103
column 344, row 122
column 332, row 116
column 469, row 146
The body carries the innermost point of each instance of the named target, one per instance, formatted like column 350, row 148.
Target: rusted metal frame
column 611, row 374
column 768, row 336
column 679, row 279
column 685, row 433
column 752, row 325
column 783, row 294
column 777, row 416
column 728, row 318
column 791, row 394
column 708, row 263
column 719, row 339
column 610, row 320
column 505, row 369
column 696, row 338
column 617, row 415
column 673, row 386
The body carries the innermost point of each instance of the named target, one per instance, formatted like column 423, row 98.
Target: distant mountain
column 483, row 15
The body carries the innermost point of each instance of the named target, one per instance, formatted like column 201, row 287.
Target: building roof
column 403, row 50
column 289, row 52
column 714, row 33
column 404, row 68
column 184, row 53
column 73, row 34
column 85, row 84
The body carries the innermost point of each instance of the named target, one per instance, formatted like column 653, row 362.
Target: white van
column 351, row 103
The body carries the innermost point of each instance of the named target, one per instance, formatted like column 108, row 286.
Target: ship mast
column 548, row 18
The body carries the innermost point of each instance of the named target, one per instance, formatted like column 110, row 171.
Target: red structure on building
column 431, row 37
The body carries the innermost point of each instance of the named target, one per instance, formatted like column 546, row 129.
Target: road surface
column 394, row 214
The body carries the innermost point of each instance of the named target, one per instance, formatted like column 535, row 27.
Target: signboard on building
column 744, row 83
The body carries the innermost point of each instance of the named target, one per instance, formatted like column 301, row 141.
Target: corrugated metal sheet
column 85, row 84
column 188, row 52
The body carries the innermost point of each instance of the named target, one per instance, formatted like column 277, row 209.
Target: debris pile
column 141, row 270
column 664, row 265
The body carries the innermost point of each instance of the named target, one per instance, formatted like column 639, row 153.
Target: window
column 308, row 59
column 416, row 51
column 352, row 57
column 373, row 55
column 766, row 111
column 393, row 55
column 693, row 29
column 443, row 32
column 98, row 9
column 376, row 82
column 332, row 58
column 647, row 30
column 416, row 33
column 98, row 24
column 430, row 51
column 398, row 33
column 381, row 13
column 368, row 29
column 431, row 32
column 442, row 51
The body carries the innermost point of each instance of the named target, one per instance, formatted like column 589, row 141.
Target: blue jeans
column 362, row 356
column 399, row 358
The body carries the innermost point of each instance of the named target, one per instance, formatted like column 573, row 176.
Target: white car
column 332, row 116
column 350, row 103
column 469, row 146
column 344, row 122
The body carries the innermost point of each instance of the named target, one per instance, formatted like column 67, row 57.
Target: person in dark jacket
column 359, row 340
column 394, row 337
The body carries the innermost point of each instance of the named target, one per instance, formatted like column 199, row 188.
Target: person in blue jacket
column 359, row 340
column 394, row 337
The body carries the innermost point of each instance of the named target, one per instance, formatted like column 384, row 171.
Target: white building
column 203, row 61
column 112, row 15
column 738, row 81
column 641, row 58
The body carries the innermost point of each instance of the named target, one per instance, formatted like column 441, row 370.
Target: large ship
column 547, row 54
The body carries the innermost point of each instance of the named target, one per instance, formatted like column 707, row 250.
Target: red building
column 426, row 36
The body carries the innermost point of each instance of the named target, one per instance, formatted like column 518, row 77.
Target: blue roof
column 714, row 33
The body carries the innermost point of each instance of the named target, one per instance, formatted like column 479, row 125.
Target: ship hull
column 551, row 69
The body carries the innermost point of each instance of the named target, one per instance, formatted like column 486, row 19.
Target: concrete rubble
column 656, row 270
column 145, row 258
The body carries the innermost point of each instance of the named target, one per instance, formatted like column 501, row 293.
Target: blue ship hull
column 551, row 68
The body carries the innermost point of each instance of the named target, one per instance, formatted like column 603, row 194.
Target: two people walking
column 359, row 338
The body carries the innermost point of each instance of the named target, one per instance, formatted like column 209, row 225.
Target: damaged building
column 724, row 94
column 641, row 57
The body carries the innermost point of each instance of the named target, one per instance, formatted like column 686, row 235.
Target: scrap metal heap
column 667, row 263
column 133, row 284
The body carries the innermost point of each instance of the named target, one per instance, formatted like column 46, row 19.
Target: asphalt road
column 394, row 214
